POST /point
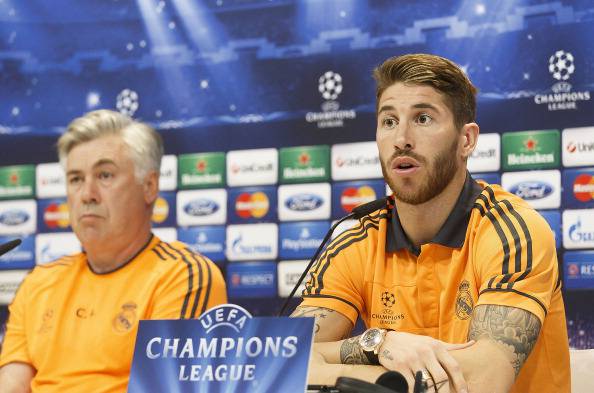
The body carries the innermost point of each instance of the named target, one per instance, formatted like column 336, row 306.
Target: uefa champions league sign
column 225, row 350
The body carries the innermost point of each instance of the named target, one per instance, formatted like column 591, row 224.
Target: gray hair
column 144, row 143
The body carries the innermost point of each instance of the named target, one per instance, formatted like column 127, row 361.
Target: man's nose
column 90, row 193
column 403, row 138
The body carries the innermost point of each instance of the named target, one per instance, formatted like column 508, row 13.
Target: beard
column 440, row 174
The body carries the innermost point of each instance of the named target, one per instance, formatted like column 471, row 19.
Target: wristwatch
column 371, row 341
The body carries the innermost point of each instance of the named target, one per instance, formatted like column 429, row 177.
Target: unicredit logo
column 253, row 167
column 14, row 217
column 303, row 202
column 483, row 153
column 356, row 161
column 52, row 181
column 580, row 147
column 201, row 207
column 530, row 190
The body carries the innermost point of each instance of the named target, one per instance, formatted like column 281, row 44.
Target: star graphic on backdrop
column 530, row 144
column 304, row 159
column 201, row 166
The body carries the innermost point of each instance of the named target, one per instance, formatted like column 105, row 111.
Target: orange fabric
column 508, row 258
column 78, row 328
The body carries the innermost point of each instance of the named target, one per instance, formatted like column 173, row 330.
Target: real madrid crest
column 464, row 302
column 126, row 318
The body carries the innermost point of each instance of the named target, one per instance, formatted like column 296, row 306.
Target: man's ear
column 469, row 135
column 151, row 187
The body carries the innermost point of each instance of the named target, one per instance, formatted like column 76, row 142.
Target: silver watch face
column 371, row 339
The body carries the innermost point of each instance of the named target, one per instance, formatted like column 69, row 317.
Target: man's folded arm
column 504, row 338
column 16, row 378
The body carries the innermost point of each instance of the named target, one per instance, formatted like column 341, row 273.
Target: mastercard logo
column 352, row 197
column 160, row 210
column 56, row 215
column 583, row 187
column 252, row 205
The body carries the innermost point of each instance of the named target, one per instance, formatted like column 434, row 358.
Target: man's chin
column 414, row 196
column 89, row 235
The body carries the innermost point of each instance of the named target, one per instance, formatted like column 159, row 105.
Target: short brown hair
column 435, row 71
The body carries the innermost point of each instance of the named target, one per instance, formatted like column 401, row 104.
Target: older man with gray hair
column 73, row 322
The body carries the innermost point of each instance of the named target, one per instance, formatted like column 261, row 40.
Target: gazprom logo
column 577, row 235
column 14, row 217
column 225, row 315
column 531, row 190
column 201, row 207
column 303, row 202
column 241, row 247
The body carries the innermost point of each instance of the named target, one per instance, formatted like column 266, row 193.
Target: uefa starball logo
column 127, row 102
column 330, row 86
column 562, row 66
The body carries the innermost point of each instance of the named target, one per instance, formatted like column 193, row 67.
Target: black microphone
column 357, row 213
column 4, row 248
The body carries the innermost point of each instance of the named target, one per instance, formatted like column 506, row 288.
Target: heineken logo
column 521, row 159
column 531, row 149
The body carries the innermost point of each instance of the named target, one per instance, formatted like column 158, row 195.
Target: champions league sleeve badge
column 225, row 350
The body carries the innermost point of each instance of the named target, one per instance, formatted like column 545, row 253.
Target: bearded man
column 454, row 277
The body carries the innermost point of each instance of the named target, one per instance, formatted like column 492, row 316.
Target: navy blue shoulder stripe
column 506, row 270
column 517, row 292
column 346, row 235
column 355, row 232
column 334, row 253
column 190, row 268
column 333, row 297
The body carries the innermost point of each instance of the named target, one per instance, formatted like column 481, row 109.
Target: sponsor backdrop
column 267, row 111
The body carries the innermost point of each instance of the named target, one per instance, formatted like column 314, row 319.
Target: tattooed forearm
column 351, row 352
column 514, row 329
column 318, row 313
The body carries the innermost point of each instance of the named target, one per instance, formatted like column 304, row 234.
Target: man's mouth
column 404, row 164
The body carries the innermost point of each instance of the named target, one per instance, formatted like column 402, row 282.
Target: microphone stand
column 312, row 260
column 357, row 213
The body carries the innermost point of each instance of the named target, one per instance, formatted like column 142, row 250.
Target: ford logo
column 303, row 202
column 201, row 207
column 14, row 217
column 530, row 190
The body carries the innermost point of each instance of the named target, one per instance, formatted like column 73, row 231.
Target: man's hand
column 408, row 353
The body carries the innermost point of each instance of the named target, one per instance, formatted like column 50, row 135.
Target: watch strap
column 372, row 357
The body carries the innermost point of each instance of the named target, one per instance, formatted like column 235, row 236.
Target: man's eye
column 74, row 180
column 105, row 175
column 424, row 119
column 389, row 122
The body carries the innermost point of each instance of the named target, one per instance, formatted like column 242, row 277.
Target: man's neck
column 422, row 222
column 104, row 259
